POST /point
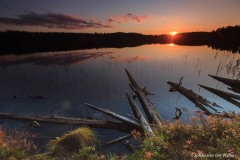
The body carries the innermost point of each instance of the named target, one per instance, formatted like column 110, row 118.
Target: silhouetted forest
column 17, row 42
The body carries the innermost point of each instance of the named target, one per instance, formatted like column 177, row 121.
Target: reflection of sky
column 64, row 58
column 101, row 79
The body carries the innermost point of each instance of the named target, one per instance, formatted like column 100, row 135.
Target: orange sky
column 147, row 17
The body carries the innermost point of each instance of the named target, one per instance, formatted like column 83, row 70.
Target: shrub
column 213, row 136
column 15, row 145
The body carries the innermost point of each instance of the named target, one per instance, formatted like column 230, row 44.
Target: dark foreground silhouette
column 17, row 42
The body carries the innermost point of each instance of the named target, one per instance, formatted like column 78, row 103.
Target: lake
column 69, row 79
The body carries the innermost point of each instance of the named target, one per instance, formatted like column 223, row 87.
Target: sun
column 173, row 33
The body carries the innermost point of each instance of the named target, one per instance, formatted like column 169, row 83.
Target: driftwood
column 147, row 105
column 117, row 140
column 227, row 96
column 133, row 118
column 130, row 146
column 234, row 84
column 198, row 100
column 114, row 125
column 146, row 127
column 116, row 116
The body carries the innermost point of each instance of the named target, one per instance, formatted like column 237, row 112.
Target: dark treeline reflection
column 17, row 42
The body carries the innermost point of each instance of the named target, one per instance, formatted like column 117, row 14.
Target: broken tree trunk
column 149, row 109
column 227, row 96
column 233, row 83
column 115, row 125
column 198, row 100
column 116, row 116
column 146, row 127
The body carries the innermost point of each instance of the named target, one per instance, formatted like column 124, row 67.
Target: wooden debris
column 116, row 116
column 133, row 118
column 117, row 140
column 146, row 127
column 129, row 146
column 144, row 89
column 34, row 124
column 147, row 105
column 178, row 113
column 234, row 84
column 173, row 89
column 198, row 100
column 114, row 125
column 227, row 96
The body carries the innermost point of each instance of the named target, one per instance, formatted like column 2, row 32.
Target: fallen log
column 227, row 96
column 114, row 125
column 133, row 118
column 147, row 105
column 130, row 146
column 146, row 127
column 116, row 116
column 198, row 100
column 117, row 140
column 234, row 84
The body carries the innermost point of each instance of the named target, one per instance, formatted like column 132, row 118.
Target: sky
column 107, row 16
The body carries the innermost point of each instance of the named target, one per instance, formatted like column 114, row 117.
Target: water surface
column 69, row 79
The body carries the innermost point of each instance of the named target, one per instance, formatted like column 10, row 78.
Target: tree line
column 20, row 42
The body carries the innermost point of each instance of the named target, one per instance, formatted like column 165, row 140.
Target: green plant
column 15, row 145
column 72, row 142
column 203, row 137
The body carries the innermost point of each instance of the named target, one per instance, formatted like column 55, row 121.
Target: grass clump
column 73, row 142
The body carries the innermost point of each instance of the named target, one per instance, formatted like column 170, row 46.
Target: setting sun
column 173, row 33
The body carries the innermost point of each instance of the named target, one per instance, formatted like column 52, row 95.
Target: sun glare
column 171, row 44
column 173, row 33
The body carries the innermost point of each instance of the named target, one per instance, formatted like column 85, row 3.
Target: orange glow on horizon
column 173, row 33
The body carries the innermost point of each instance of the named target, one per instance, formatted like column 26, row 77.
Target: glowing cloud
column 128, row 17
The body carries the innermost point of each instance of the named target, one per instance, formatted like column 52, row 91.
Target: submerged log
column 116, row 116
column 146, row 127
column 234, row 84
column 198, row 100
column 130, row 146
column 114, row 125
column 227, row 96
column 149, row 109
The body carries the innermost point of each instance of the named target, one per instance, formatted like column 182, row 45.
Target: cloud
column 53, row 20
column 128, row 17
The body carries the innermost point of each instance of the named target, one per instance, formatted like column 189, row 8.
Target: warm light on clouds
column 69, row 21
column 128, row 17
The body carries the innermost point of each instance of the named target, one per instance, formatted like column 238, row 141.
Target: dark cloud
column 128, row 17
column 53, row 20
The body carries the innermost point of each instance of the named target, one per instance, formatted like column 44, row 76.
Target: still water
column 69, row 79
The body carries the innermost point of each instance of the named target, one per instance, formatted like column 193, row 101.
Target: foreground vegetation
column 211, row 137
